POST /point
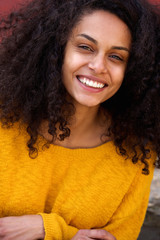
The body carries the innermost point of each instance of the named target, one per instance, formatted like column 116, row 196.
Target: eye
column 116, row 57
column 85, row 47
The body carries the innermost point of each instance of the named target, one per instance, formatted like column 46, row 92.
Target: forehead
column 102, row 25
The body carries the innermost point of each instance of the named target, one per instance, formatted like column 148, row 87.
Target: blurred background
column 8, row 5
column 151, row 226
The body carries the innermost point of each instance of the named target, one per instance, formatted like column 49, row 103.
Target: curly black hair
column 33, row 41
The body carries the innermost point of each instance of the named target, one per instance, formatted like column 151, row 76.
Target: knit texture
column 72, row 189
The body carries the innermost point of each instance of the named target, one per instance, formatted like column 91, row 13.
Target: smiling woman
column 94, row 62
column 80, row 113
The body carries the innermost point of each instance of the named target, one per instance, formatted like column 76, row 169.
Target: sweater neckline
column 57, row 149
column 93, row 150
column 84, row 148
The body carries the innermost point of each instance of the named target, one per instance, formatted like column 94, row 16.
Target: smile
column 90, row 83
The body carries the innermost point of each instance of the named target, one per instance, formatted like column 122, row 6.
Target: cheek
column 118, row 75
column 75, row 61
column 69, row 66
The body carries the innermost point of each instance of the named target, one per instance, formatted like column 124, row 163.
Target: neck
column 87, row 128
column 84, row 118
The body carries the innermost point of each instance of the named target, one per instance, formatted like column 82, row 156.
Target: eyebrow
column 95, row 42
column 88, row 37
column 120, row 48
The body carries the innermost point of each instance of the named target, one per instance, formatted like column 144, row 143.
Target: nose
column 98, row 64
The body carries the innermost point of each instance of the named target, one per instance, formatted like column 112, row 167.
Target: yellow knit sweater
column 72, row 188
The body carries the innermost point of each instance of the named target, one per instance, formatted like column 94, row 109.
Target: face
column 95, row 58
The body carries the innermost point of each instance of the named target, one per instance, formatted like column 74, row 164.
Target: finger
column 98, row 234
column 81, row 235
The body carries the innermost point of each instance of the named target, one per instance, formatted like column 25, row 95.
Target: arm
column 30, row 227
column 27, row 227
column 124, row 224
column 127, row 220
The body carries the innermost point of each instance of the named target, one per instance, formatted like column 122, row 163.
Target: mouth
column 91, row 83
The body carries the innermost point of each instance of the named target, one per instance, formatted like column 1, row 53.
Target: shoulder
column 123, row 168
column 11, row 137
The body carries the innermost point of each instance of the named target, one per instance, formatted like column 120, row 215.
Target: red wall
column 7, row 5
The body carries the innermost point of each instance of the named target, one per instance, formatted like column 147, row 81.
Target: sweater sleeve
column 126, row 222
column 56, row 228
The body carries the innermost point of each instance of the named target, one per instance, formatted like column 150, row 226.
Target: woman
column 79, row 94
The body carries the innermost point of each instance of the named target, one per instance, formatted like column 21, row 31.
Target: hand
column 93, row 234
column 27, row 227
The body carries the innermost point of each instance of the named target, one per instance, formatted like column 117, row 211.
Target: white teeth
column 87, row 82
column 91, row 83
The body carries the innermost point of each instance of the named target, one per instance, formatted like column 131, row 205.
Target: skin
column 89, row 52
column 27, row 227
column 86, row 234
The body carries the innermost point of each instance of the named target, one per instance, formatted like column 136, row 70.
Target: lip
column 88, row 88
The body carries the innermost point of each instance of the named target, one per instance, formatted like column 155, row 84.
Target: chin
column 88, row 103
